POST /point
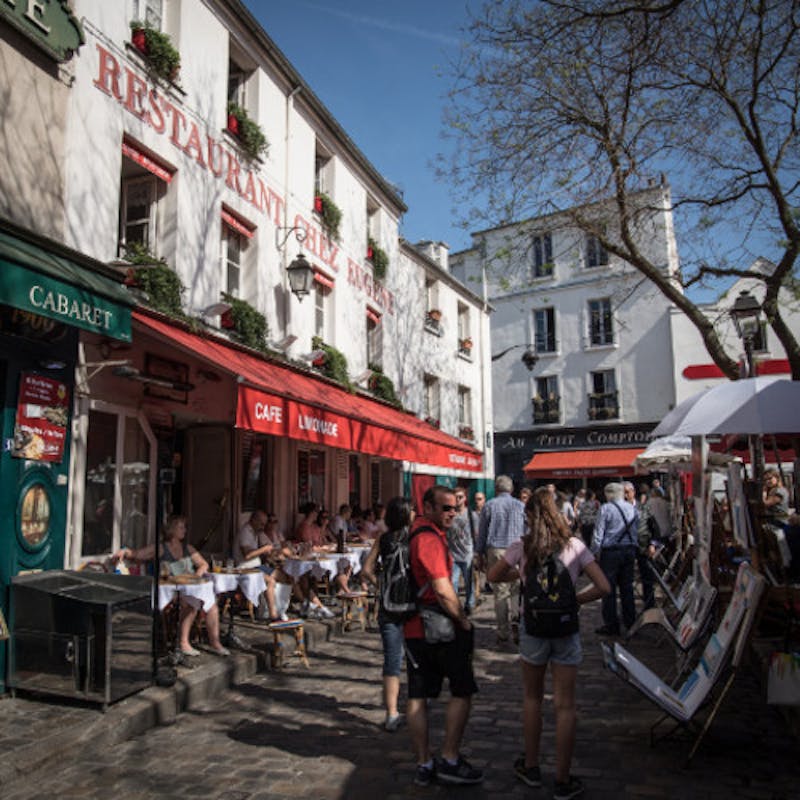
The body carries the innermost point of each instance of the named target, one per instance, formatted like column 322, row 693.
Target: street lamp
column 301, row 277
column 529, row 357
column 299, row 272
column 746, row 313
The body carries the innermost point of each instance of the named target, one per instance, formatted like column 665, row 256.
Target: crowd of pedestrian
column 531, row 548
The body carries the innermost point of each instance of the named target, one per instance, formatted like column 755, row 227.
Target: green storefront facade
column 48, row 295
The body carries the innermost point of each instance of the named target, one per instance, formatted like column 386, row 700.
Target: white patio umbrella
column 752, row 406
column 663, row 453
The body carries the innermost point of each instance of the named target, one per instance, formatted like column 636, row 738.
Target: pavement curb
column 81, row 726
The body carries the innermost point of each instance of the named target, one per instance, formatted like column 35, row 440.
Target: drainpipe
column 284, row 258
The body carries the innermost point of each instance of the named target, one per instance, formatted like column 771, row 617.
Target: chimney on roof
column 435, row 251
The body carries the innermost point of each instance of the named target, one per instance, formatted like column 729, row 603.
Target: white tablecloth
column 252, row 584
column 332, row 563
column 196, row 594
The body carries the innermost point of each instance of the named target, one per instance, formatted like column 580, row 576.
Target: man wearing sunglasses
column 428, row 662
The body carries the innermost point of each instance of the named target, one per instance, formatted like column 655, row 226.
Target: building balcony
column 546, row 410
column 604, row 405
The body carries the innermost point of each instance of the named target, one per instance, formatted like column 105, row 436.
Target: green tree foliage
column 564, row 103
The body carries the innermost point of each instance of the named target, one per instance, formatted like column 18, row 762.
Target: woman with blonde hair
column 533, row 558
column 181, row 558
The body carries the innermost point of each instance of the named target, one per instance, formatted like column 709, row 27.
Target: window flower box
column 249, row 324
column 432, row 421
column 376, row 255
column 162, row 58
column 332, row 362
column 381, row 385
column 466, row 432
column 465, row 345
column 433, row 322
column 251, row 138
column 139, row 40
column 331, row 214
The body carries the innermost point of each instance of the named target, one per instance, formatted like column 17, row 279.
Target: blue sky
column 380, row 68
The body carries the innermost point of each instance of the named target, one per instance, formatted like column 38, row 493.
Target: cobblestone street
column 316, row 734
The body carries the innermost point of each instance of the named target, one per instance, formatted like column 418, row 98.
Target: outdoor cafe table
column 205, row 590
column 250, row 581
column 196, row 591
column 318, row 564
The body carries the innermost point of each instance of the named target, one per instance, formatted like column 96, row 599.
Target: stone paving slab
column 38, row 731
column 316, row 733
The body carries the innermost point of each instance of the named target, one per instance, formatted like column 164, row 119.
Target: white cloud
column 386, row 25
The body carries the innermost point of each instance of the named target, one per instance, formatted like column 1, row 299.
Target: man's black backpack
column 549, row 605
column 398, row 588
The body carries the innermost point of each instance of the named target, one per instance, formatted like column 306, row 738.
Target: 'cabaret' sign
column 61, row 305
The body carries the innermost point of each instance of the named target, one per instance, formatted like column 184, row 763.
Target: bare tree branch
column 565, row 103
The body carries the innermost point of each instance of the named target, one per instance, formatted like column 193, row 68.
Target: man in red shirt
column 429, row 663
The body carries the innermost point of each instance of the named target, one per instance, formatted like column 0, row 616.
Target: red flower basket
column 139, row 40
column 226, row 320
column 370, row 253
column 318, row 204
column 233, row 124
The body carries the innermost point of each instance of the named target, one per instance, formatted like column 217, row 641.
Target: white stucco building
column 594, row 333
column 693, row 367
column 114, row 151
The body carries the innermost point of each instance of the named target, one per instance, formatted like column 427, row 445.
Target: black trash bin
column 81, row 634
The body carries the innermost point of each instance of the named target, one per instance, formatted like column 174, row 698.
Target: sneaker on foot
column 325, row 613
column 425, row 775
column 530, row 775
column 461, row 772
column 393, row 723
column 572, row 788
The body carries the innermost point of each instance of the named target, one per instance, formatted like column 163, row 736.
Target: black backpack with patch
column 398, row 589
column 549, row 605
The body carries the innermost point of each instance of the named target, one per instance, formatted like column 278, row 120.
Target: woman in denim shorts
column 399, row 516
column 548, row 532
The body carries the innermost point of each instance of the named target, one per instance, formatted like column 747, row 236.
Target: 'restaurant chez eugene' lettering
column 147, row 103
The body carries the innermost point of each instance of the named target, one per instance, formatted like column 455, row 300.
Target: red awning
column 582, row 463
column 278, row 400
column 323, row 280
column 143, row 159
column 767, row 366
column 237, row 224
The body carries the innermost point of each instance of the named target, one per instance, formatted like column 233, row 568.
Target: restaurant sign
column 49, row 24
column 63, row 302
column 599, row 438
column 42, row 413
column 269, row 413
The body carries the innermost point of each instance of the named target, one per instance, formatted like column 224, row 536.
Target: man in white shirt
column 247, row 552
